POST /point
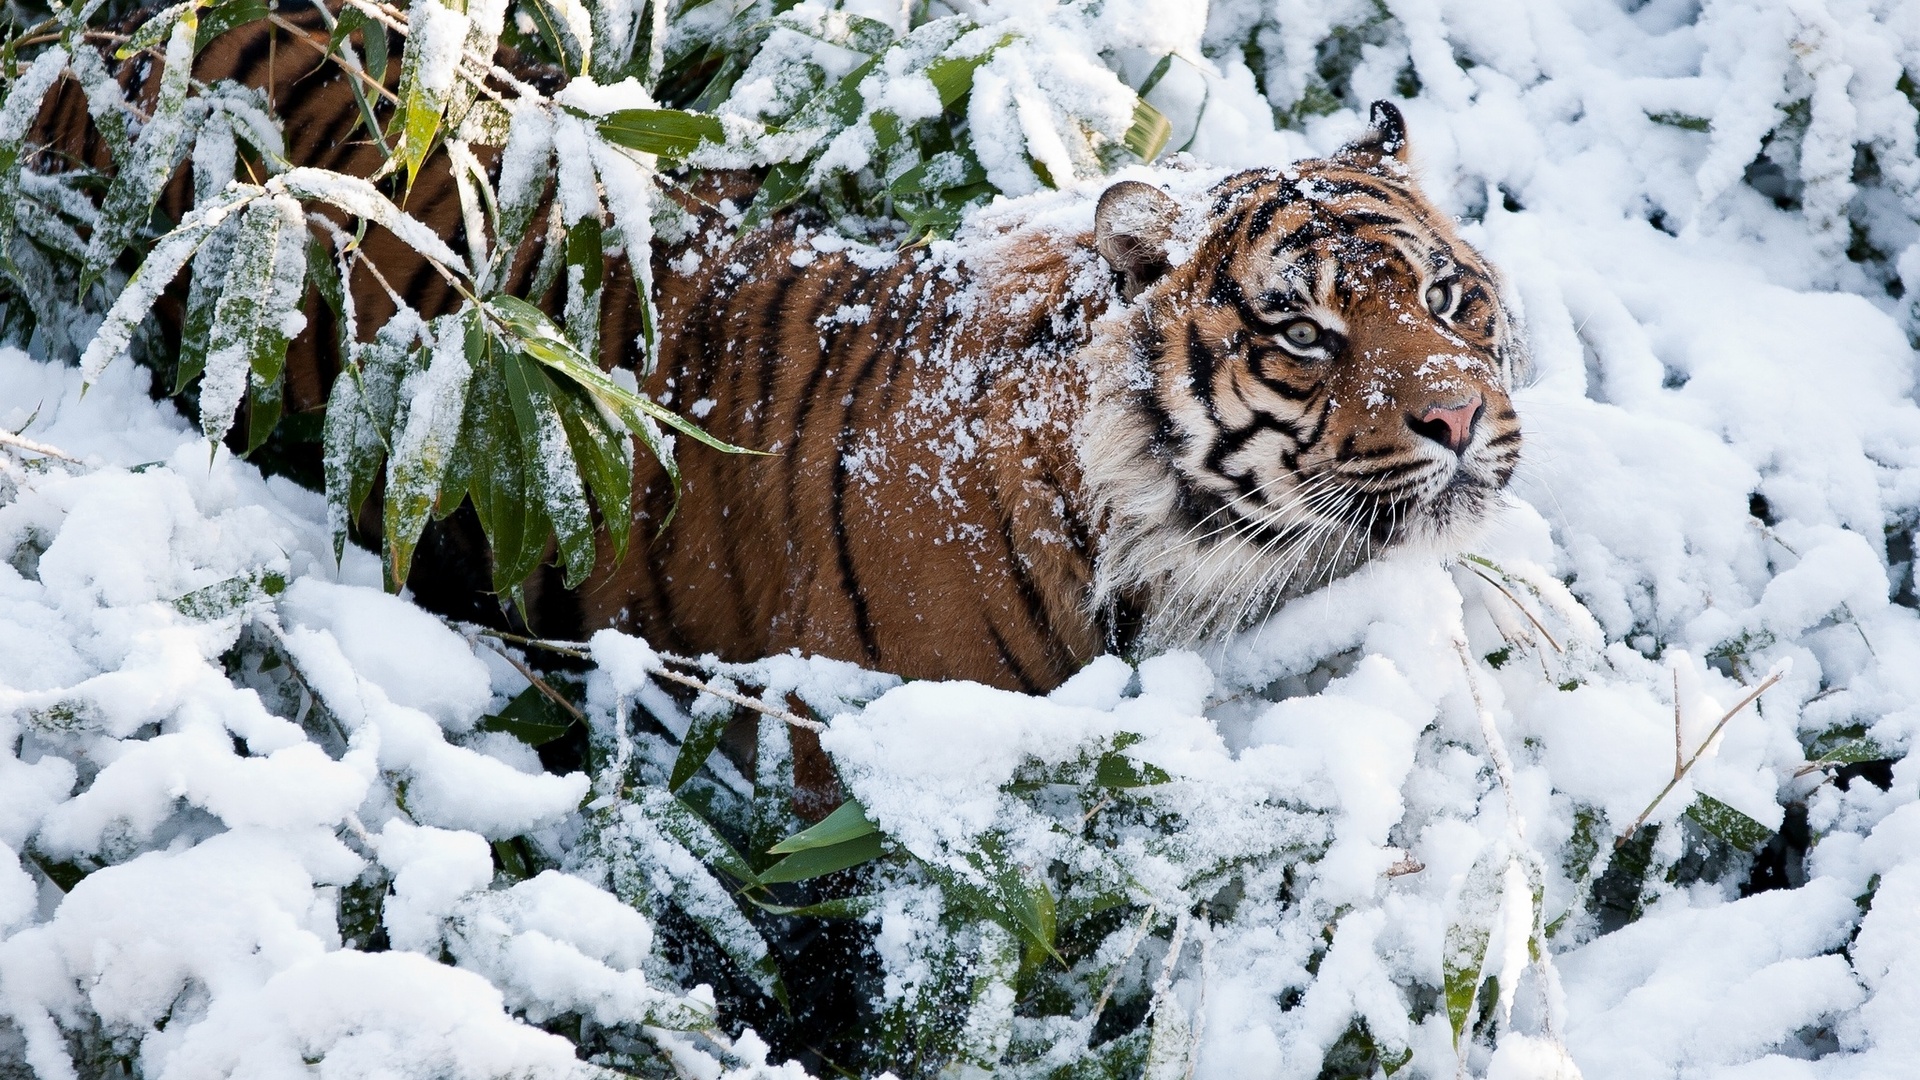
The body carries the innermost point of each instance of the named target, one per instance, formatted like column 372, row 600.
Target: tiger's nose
column 1449, row 425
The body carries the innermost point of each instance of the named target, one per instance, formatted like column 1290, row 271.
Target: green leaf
column 673, row 817
column 1021, row 901
column 847, row 823
column 1159, row 72
column 1681, row 120
column 549, row 462
column 532, row 717
column 1728, row 824
column 223, row 598
column 423, row 446
column 422, row 107
column 815, row 862
column 542, row 341
column 847, row 907
column 601, row 452
column 670, row 133
column 136, row 183
column 512, row 862
column 247, row 343
column 1463, row 952
column 702, row 737
column 1846, row 745
column 558, row 34
column 515, row 524
column 226, row 15
column 1117, row 770
column 952, row 76
column 150, row 33
column 1149, row 132
column 784, row 185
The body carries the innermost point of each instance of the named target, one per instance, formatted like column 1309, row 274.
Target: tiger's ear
column 1131, row 227
column 1386, row 135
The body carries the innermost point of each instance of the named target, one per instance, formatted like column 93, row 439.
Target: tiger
column 1121, row 421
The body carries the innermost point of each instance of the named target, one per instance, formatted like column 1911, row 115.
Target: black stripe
column 849, row 580
column 1027, row 685
column 1232, row 442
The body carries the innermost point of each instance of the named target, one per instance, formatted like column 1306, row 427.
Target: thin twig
column 26, row 445
column 1678, row 752
column 739, row 699
column 575, row 649
column 339, row 58
column 578, row 650
column 1765, row 685
column 541, row 684
column 1537, row 624
column 1105, row 798
column 1120, row 966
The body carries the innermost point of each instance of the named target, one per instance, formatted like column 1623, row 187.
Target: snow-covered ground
column 1722, row 476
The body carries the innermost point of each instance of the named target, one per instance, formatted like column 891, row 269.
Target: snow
column 1413, row 774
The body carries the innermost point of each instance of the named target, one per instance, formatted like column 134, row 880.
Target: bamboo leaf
column 1020, row 901
column 1729, row 824
column 1117, row 770
column 535, row 332
column 361, row 199
column 436, row 39
column 1148, row 134
column 702, row 737
column 848, row 822
column 256, row 313
column 436, row 400
column 604, row 460
column 819, row 861
column 559, row 36
column 670, row 133
column 681, row 822
column 849, row 907
column 1464, row 950
column 549, row 462
column 24, row 100
column 150, row 33
column 515, row 525
column 136, row 183
column 218, row 18
column 532, row 717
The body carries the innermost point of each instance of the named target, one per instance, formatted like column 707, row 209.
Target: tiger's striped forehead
column 1329, row 235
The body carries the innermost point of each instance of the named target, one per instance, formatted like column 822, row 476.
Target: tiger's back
column 919, row 508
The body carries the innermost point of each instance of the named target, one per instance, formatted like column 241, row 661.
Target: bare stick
column 26, row 445
column 1678, row 753
column 1765, row 685
column 1537, row 624
column 1120, row 967
column 541, row 684
column 739, row 699
column 578, row 650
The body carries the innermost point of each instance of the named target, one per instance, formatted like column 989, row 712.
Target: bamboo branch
column 1537, row 624
column 541, row 684
column 21, row 444
column 578, row 650
column 739, row 699
column 1765, row 685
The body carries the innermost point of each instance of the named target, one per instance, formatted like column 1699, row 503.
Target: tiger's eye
column 1302, row 332
column 1439, row 296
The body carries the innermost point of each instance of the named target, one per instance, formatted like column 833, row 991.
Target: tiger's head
column 1316, row 370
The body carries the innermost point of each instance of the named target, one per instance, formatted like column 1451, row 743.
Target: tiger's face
column 1325, row 377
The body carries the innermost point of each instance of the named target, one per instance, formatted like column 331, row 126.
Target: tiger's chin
column 1198, row 569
